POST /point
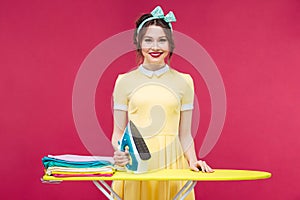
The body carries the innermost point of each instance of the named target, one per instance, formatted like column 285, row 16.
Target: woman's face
column 155, row 47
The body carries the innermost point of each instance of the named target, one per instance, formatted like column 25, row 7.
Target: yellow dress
column 153, row 101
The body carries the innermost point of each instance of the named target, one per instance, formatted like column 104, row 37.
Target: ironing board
column 167, row 174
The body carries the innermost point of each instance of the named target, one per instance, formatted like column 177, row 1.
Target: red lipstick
column 155, row 54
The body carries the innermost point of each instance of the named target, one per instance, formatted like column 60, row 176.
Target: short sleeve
column 119, row 94
column 187, row 101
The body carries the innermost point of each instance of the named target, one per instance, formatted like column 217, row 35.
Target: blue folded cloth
column 51, row 162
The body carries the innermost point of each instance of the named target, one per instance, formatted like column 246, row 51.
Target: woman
column 159, row 100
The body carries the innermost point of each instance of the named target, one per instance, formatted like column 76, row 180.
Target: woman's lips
column 155, row 54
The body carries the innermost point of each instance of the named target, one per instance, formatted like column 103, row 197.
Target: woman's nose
column 155, row 45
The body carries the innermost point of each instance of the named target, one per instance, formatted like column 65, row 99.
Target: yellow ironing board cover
column 175, row 174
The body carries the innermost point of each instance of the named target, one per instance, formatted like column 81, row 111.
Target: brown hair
column 137, row 38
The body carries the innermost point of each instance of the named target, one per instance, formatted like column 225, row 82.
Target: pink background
column 254, row 43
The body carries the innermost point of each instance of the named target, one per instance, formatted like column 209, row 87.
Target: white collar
column 150, row 73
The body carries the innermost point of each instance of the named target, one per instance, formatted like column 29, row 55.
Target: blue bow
column 158, row 13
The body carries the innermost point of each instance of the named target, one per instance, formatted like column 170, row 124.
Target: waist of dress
column 161, row 135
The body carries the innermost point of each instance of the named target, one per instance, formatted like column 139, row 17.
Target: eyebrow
column 152, row 37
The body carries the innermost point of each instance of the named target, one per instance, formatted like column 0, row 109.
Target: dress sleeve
column 187, row 101
column 120, row 95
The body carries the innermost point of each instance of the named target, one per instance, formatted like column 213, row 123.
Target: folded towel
column 79, row 158
column 76, row 171
column 52, row 161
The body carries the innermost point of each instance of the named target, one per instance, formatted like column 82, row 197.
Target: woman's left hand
column 201, row 165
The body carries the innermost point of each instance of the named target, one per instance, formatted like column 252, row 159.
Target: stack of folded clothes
column 78, row 166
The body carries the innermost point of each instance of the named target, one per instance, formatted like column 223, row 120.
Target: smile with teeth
column 155, row 54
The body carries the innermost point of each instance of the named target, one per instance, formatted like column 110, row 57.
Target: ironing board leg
column 110, row 197
column 185, row 190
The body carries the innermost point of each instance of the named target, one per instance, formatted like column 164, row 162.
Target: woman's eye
column 162, row 40
column 148, row 40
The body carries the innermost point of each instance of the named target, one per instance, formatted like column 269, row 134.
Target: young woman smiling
column 159, row 100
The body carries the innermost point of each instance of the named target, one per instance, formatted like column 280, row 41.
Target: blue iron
column 138, row 149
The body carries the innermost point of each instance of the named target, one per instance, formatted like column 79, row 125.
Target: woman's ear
column 138, row 43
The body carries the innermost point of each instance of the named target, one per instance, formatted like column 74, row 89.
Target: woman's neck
column 153, row 67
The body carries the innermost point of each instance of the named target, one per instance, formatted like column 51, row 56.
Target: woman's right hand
column 121, row 158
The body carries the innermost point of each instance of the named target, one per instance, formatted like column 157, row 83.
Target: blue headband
column 158, row 13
